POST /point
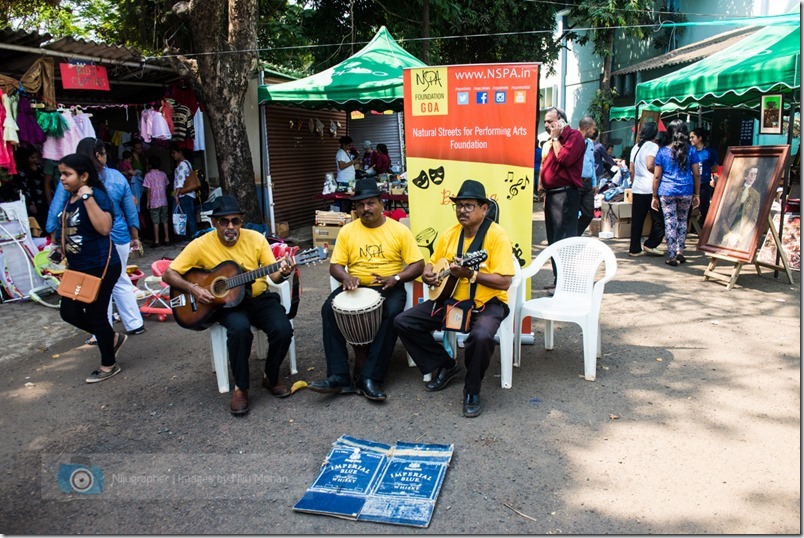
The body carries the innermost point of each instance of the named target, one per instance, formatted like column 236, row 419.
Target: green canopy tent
column 371, row 79
column 766, row 62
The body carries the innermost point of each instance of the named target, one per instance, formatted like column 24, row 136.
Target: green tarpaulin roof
column 623, row 113
column 766, row 62
column 371, row 79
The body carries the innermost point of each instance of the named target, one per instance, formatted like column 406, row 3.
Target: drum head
column 359, row 299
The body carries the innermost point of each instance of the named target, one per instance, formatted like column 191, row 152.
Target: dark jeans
column 561, row 215
column 92, row 318
column 267, row 314
column 639, row 210
column 187, row 204
column 587, row 201
column 380, row 350
column 414, row 326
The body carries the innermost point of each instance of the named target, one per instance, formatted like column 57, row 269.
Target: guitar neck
column 244, row 278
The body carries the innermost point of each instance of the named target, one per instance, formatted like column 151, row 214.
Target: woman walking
column 708, row 161
column 643, row 159
column 676, row 184
column 86, row 222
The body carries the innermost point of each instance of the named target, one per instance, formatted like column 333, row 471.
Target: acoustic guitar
column 447, row 283
column 227, row 283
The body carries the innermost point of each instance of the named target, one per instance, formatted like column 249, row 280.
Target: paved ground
column 693, row 424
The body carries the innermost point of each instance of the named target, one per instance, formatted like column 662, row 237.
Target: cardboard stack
column 617, row 219
column 327, row 226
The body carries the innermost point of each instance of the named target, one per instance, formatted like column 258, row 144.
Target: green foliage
column 604, row 16
column 601, row 104
column 664, row 38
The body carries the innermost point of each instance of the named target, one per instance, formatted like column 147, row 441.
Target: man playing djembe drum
column 375, row 250
column 487, row 287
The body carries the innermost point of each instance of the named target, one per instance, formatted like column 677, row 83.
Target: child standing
column 155, row 184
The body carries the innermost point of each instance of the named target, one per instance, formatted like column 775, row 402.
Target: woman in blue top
column 87, row 218
column 708, row 160
column 676, row 184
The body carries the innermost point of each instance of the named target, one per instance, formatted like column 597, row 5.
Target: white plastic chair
column 504, row 336
column 577, row 296
column 220, row 353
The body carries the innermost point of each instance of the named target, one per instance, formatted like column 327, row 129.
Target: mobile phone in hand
column 56, row 256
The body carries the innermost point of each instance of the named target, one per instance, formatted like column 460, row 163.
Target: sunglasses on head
column 234, row 221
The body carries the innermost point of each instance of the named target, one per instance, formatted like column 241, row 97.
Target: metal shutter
column 380, row 129
column 298, row 161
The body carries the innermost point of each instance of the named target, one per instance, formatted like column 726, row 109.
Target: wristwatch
column 396, row 277
column 86, row 196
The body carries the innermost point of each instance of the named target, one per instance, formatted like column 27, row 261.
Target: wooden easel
column 731, row 279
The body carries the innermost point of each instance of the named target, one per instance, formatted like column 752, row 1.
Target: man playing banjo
column 486, row 288
column 371, row 252
column 261, row 308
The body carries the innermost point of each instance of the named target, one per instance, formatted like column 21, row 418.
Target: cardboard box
column 629, row 196
column 594, row 227
column 621, row 210
column 331, row 218
column 325, row 234
column 620, row 227
column 283, row 229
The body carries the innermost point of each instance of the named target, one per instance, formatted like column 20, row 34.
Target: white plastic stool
column 220, row 353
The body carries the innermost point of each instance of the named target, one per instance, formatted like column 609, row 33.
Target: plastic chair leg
column 548, row 334
column 599, row 343
column 506, row 335
column 220, row 356
column 590, row 341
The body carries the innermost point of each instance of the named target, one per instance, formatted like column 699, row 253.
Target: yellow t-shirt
column 251, row 252
column 385, row 250
column 500, row 260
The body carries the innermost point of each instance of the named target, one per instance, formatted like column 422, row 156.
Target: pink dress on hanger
column 167, row 112
column 56, row 148
column 6, row 150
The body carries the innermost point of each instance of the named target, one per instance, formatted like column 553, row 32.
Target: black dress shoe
column 471, row 405
column 443, row 377
column 370, row 389
column 334, row 384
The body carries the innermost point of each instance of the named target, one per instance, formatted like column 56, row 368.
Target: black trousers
column 587, row 201
column 92, row 318
column 639, row 210
column 267, row 314
column 414, row 326
column 561, row 216
column 706, row 199
column 380, row 350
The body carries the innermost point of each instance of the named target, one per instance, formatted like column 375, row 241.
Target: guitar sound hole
column 219, row 288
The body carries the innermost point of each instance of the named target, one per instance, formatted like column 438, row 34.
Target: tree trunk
column 605, row 86
column 228, row 30
column 426, row 32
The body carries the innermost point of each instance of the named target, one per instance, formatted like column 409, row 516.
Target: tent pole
column 266, row 185
column 794, row 106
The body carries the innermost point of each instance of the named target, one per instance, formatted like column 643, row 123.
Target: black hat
column 225, row 205
column 366, row 188
column 472, row 190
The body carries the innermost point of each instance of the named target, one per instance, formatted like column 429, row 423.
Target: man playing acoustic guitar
column 488, row 285
column 261, row 308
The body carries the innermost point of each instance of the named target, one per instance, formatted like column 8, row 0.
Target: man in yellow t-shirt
column 375, row 250
column 491, row 283
column 260, row 308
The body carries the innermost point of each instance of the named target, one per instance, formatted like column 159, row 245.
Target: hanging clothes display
column 6, row 149
column 55, row 148
column 153, row 125
column 9, row 125
column 198, row 125
column 84, row 126
column 29, row 131
column 183, row 124
column 167, row 112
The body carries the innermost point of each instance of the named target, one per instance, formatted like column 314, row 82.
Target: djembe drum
column 358, row 314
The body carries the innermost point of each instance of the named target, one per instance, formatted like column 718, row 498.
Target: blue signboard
column 369, row 481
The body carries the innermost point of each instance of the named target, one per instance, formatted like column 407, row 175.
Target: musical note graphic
column 518, row 254
column 426, row 238
column 520, row 185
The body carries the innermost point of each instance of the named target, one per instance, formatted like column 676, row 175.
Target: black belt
column 559, row 189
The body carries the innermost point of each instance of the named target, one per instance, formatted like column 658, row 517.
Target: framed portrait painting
column 738, row 215
column 771, row 118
